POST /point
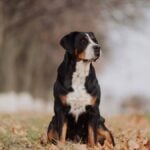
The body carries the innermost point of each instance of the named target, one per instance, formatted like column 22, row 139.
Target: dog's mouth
column 91, row 60
column 97, row 57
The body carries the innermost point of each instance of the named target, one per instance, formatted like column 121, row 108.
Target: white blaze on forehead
column 89, row 51
column 90, row 40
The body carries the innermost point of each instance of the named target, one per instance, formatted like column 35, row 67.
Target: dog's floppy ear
column 67, row 42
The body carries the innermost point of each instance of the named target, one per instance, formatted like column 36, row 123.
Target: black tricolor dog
column 77, row 93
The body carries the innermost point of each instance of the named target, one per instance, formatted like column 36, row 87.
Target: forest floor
column 24, row 131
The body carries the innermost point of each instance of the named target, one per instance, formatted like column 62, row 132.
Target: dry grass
column 25, row 131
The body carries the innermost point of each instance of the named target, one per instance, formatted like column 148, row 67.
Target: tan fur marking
column 63, row 99
column 91, row 141
column 93, row 101
column 104, row 134
column 64, row 133
column 81, row 56
column 52, row 135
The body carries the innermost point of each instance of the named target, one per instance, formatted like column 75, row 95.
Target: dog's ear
column 67, row 42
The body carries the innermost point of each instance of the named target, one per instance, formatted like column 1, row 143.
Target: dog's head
column 82, row 45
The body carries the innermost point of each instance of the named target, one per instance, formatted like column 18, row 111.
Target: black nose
column 96, row 50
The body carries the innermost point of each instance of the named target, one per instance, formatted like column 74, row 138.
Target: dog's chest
column 79, row 98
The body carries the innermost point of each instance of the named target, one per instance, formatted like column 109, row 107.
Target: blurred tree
column 30, row 31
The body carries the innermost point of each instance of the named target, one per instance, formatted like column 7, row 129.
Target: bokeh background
column 30, row 53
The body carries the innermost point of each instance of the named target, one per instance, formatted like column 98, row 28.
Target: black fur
column 63, row 85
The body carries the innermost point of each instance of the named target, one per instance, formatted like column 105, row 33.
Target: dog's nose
column 96, row 50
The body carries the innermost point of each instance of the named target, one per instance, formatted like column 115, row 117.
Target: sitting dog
column 77, row 94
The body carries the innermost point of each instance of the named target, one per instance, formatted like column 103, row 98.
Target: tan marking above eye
column 84, row 39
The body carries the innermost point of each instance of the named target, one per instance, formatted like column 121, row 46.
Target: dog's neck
column 82, row 68
column 78, row 98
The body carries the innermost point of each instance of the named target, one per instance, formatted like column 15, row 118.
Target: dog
column 77, row 94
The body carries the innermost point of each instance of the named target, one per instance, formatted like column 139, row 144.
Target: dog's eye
column 83, row 40
column 95, row 40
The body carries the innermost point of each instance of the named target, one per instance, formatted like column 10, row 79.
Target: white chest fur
column 79, row 98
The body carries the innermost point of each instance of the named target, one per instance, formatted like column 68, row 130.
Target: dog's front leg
column 63, row 122
column 63, row 132
column 92, row 123
column 91, row 136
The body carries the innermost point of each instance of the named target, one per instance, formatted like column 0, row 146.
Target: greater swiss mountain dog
column 77, row 94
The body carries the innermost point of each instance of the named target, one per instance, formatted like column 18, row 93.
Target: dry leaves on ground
column 27, row 130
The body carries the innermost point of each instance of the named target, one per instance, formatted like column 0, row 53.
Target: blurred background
column 30, row 53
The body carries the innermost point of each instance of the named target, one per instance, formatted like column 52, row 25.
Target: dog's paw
column 52, row 136
column 105, row 136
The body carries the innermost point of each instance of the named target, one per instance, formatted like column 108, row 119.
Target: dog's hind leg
column 52, row 133
column 103, row 133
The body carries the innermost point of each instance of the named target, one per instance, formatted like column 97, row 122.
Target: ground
column 26, row 131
